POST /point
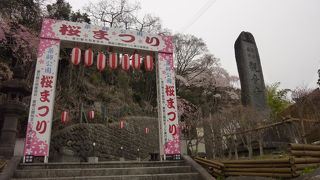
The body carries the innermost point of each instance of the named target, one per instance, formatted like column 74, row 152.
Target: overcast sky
column 287, row 32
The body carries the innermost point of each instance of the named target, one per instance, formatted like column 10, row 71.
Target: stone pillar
column 8, row 135
column 250, row 72
column 11, row 112
column 12, row 108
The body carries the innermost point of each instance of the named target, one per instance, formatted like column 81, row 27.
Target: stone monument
column 250, row 72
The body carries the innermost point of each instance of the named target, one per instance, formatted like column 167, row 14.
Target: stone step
column 176, row 176
column 37, row 173
column 111, row 164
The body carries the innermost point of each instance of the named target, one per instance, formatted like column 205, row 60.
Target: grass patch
column 308, row 170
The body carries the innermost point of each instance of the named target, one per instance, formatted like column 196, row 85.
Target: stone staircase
column 127, row 170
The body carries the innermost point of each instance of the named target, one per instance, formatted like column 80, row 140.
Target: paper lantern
column 136, row 61
column 125, row 63
column 91, row 115
column 88, row 57
column 122, row 124
column 101, row 61
column 146, row 130
column 76, row 56
column 64, row 116
column 113, row 60
column 148, row 63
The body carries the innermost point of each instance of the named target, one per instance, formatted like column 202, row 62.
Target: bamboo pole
column 305, row 153
column 256, row 165
column 209, row 164
column 2, row 164
column 258, row 174
column 263, row 161
column 210, row 161
column 304, row 160
column 217, row 171
column 271, row 125
column 306, row 147
column 259, row 170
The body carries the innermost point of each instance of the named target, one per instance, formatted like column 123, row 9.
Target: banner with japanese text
column 87, row 33
column 168, row 105
column 42, row 99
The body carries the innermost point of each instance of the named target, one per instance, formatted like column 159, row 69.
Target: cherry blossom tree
column 122, row 14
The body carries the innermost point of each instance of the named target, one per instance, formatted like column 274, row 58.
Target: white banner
column 42, row 100
column 168, row 116
column 87, row 33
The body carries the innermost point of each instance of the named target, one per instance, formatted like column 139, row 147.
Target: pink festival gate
column 56, row 33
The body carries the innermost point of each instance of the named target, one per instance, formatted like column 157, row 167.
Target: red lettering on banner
column 173, row 114
column 130, row 37
column 153, row 41
column 46, row 81
column 170, row 103
column 44, row 96
column 70, row 30
column 46, row 110
column 170, row 90
column 100, row 35
column 41, row 126
column 172, row 130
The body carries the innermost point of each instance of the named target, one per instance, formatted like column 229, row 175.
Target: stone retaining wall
column 77, row 140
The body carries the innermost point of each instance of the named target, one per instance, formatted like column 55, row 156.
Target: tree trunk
column 208, row 139
column 303, row 132
column 220, row 147
column 261, row 147
column 235, row 146
column 261, row 144
column 236, row 152
column 249, row 147
column 197, row 148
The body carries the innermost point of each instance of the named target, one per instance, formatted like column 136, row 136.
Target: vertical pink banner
column 168, row 116
column 42, row 99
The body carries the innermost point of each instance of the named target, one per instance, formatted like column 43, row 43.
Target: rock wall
column 77, row 140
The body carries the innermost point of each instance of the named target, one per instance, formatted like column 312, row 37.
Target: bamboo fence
column 302, row 156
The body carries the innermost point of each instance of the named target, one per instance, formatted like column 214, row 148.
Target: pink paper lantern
column 148, row 63
column 136, row 59
column 125, row 63
column 101, row 61
column 91, row 115
column 76, row 56
column 88, row 57
column 113, row 61
column 64, row 117
column 146, row 130
column 122, row 124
